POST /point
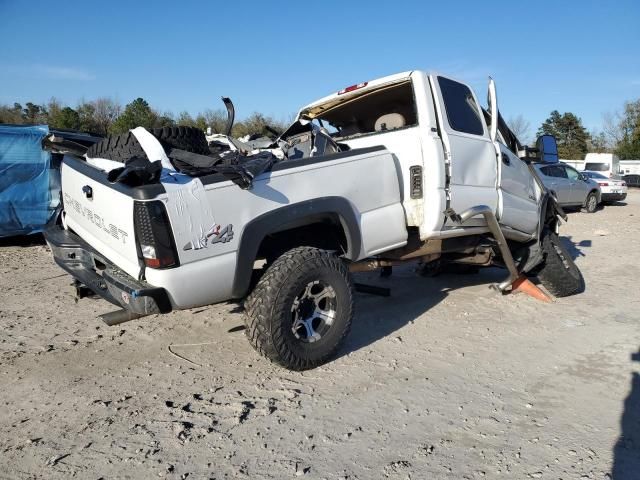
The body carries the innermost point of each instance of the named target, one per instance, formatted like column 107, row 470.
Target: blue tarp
column 29, row 188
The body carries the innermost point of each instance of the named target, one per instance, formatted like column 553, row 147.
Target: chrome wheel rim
column 592, row 202
column 313, row 311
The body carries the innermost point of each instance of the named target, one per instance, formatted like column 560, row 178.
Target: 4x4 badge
column 216, row 234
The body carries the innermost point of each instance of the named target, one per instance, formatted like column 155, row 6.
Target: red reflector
column 152, row 262
column 352, row 88
column 159, row 262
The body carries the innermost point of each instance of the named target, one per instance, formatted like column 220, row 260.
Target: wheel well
column 326, row 222
column 548, row 214
column 593, row 191
column 321, row 231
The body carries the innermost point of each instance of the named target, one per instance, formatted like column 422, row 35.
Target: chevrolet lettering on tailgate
column 96, row 219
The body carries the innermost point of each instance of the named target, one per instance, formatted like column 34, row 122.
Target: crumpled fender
column 550, row 210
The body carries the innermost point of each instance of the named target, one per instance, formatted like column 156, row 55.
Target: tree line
column 620, row 134
column 105, row 116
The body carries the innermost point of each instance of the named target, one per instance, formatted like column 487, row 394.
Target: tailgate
column 101, row 215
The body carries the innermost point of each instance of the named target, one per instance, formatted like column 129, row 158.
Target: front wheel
column 301, row 309
column 591, row 204
column 558, row 273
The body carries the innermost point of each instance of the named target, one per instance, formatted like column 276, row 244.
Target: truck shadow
column 23, row 240
column 626, row 452
column 575, row 248
column 411, row 296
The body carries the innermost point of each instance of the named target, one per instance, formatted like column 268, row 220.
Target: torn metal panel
column 231, row 114
column 186, row 199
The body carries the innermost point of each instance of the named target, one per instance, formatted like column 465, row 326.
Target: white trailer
column 577, row 164
column 630, row 167
column 608, row 164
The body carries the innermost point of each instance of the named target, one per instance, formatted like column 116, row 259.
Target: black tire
column 558, row 272
column 125, row 146
column 190, row 139
column 591, row 203
column 118, row 148
column 274, row 306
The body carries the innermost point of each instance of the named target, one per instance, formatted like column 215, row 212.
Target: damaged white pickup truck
column 409, row 167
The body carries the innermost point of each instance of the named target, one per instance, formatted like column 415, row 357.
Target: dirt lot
column 445, row 379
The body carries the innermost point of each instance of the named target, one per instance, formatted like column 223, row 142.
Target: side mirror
column 548, row 148
column 584, row 178
column 529, row 154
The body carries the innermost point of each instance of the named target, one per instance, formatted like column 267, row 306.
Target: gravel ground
column 444, row 379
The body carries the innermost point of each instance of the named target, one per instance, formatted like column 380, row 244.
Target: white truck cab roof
column 351, row 92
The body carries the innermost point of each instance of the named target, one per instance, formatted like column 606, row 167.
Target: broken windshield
column 384, row 109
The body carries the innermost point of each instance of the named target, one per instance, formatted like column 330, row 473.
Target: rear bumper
column 89, row 268
column 613, row 197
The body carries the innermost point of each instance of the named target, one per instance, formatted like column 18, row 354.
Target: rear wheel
column 591, row 204
column 558, row 273
column 301, row 309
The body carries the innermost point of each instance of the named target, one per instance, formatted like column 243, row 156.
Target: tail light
column 603, row 184
column 154, row 235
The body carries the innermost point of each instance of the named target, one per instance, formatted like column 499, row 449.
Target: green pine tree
column 136, row 114
column 66, row 117
column 571, row 136
column 629, row 146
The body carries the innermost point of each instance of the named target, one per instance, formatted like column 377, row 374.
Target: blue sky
column 274, row 57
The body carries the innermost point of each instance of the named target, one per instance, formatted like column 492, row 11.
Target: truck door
column 518, row 205
column 470, row 154
column 517, row 196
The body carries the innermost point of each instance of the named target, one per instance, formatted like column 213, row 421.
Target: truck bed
column 362, row 182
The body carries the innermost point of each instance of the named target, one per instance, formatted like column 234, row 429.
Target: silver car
column 571, row 188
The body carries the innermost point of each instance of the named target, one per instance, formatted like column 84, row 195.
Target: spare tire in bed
column 190, row 139
column 122, row 147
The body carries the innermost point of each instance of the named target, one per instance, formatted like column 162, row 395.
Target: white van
column 608, row 164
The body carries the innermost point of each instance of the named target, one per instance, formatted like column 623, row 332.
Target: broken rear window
column 387, row 108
